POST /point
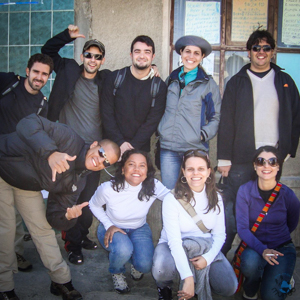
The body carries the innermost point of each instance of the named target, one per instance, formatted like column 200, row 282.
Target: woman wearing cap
column 192, row 112
column 192, row 249
column 269, row 259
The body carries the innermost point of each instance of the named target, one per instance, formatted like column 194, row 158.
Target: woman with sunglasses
column 269, row 259
column 194, row 252
column 192, row 111
column 123, row 230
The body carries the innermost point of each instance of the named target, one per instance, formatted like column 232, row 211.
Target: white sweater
column 123, row 209
column 177, row 224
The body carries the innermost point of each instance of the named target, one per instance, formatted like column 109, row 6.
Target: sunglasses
column 257, row 48
column 194, row 153
column 91, row 55
column 106, row 162
column 260, row 162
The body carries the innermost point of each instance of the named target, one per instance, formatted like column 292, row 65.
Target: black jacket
column 236, row 140
column 24, row 164
column 67, row 73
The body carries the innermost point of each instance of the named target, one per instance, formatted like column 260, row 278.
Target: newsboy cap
column 193, row 40
column 94, row 43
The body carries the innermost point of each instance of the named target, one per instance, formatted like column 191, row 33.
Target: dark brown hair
column 148, row 185
column 183, row 190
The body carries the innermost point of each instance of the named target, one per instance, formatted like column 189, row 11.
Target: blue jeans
column 170, row 163
column 273, row 280
column 221, row 275
column 135, row 247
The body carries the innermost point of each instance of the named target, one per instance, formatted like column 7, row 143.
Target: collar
column 80, row 159
column 150, row 74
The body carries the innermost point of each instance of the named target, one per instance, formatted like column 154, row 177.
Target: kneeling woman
column 269, row 259
column 123, row 230
column 183, row 245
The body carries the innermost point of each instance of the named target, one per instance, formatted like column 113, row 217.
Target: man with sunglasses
column 75, row 101
column 261, row 106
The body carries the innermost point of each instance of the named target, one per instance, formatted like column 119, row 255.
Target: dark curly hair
column 148, row 185
column 269, row 149
column 41, row 58
column 183, row 190
column 259, row 35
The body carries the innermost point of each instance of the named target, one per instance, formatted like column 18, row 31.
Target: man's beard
column 141, row 67
column 35, row 88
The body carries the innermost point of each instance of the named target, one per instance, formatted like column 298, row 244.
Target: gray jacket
column 193, row 114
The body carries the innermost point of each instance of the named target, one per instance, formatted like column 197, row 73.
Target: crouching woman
column 123, row 230
column 194, row 252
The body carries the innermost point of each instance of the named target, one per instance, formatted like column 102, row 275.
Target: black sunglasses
column 90, row 55
column 195, row 152
column 106, row 162
column 257, row 48
column 260, row 162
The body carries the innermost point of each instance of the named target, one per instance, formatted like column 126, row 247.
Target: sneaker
column 9, row 295
column 120, row 283
column 245, row 297
column 75, row 258
column 292, row 282
column 135, row 274
column 27, row 237
column 165, row 293
column 66, row 290
column 88, row 244
column 23, row 264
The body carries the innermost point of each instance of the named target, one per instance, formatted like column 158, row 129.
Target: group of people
column 106, row 116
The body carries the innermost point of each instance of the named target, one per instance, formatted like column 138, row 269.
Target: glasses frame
column 192, row 152
column 90, row 55
column 257, row 48
column 261, row 162
column 102, row 154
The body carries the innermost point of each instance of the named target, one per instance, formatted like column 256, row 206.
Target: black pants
column 74, row 236
column 238, row 175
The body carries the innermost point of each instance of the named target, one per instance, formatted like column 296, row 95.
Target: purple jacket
column 281, row 219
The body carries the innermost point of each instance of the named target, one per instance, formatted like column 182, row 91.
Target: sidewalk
column 93, row 280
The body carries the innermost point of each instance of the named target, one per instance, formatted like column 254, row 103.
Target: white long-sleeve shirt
column 177, row 224
column 123, row 209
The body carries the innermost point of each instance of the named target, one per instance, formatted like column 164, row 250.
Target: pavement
column 94, row 281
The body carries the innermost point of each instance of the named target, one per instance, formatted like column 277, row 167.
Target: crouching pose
column 193, row 248
column 123, row 230
column 269, row 259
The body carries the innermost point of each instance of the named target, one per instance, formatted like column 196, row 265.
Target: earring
column 209, row 180
column 182, row 179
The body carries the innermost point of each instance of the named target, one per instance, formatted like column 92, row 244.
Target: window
column 227, row 24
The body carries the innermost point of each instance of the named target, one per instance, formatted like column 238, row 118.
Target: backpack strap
column 119, row 79
column 154, row 89
column 191, row 211
column 11, row 87
column 42, row 105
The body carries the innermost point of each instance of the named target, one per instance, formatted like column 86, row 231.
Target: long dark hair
column 183, row 190
column 269, row 149
column 148, row 185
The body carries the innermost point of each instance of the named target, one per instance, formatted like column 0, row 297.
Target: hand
column 74, row 32
column 188, row 289
column 75, row 211
column 271, row 259
column 124, row 147
column 110, row 233
column 58, row 163
column 224, row 170
column 156, row 72
column 199, row 262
